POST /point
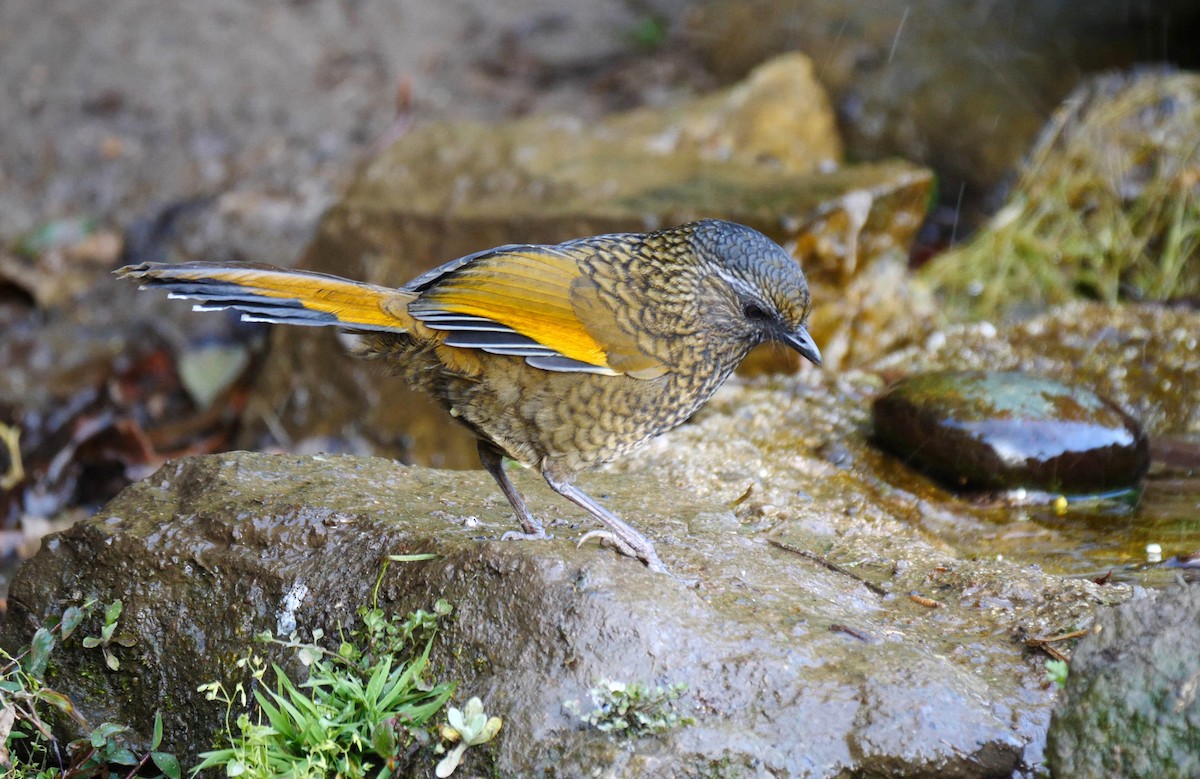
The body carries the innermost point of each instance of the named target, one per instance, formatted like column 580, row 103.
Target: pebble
column 980, row 430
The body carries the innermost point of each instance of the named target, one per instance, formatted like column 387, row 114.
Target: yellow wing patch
column 527, row 290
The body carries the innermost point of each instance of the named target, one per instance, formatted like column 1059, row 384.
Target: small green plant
column 633, row 709
column 107, row 639
column 649, row 33
column 105, row 747
column 361, row 705
column 1057, row 672
column 465, row 728
column 29, row 707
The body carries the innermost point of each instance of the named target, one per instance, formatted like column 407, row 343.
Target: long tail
column 264, row 293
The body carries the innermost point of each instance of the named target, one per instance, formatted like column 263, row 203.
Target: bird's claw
column 610, row 539
column 607, row 539
column 516, row 535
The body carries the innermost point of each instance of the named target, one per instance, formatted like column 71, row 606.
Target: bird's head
column 759, row 291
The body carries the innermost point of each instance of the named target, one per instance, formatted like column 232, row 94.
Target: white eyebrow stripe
column 739, row 285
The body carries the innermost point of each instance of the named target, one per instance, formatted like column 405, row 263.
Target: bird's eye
column 755, row 312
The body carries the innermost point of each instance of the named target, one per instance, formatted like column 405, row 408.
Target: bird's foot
column 646, row 553
column 539, row 534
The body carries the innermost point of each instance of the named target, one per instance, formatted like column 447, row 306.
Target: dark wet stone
column 1132, row 707
column 987, row 430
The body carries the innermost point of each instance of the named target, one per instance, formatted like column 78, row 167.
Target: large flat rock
column 792, row 668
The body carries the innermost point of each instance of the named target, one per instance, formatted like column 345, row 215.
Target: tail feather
column 264, row 293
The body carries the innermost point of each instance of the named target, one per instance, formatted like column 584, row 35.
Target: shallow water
column 1116, row 536
column 1089, row 537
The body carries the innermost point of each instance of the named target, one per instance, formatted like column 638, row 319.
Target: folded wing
column 532, row 302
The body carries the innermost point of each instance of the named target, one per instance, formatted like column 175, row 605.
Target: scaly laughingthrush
column 560, row 357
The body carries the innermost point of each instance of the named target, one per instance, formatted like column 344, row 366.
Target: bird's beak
column 802, row 342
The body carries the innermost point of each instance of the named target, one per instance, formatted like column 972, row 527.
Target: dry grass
column 1106, row 207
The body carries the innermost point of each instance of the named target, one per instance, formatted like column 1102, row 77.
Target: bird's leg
column 627, row 541
column 493, row 463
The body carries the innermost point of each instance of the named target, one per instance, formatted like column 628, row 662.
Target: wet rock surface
column 1131, row 707
column 760, row 438
column 1145, row 358
column 792, row 668
column 977, row 430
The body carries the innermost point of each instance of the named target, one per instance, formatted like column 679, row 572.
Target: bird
column 558, row 356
